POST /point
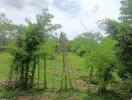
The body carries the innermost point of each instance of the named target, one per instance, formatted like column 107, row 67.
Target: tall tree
column 126, row 11
column 34, row 35
column 6, row 29
column 111, row 27
column 123, row 33
column 124, row 39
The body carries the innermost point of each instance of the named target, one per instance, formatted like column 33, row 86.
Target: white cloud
column 89, row 11
column 3, row 10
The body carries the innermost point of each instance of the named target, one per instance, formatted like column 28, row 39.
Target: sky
column 73, row 15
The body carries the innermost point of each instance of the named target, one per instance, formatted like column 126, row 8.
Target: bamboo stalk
column 33, row 71
column 45, row 74
column 38, row 73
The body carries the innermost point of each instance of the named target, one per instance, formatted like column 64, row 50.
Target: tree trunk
column 38, row 72
column 26, row 76
column 91, row 73
column 33, row 71
column 45, row 80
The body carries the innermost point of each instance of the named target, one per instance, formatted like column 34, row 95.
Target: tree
column 104, row 60
column 111, row 27
column 126, row 11
column 46, row 27
column 124, row 53
column 124, row 39
column 28, row 54
column 123, row 35
column 7, row 29
column 84, row 43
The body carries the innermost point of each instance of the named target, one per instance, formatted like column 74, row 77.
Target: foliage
column 50, row 47
column 126, row 11
column 124, row 47
column 27, row 50
column 103, row 59
column 34, row 47
column 7, row 30
column 122, row 32
column 84, row 43
column 125, row 54
column 109, row 26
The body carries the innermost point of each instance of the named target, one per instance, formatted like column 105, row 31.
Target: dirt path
column 3, row 82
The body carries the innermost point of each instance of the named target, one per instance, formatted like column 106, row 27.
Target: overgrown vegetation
column 91, row 66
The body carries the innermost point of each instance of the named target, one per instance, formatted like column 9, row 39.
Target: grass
column 5, row 61
column 54, row 68
column 108, row 95
column 54, row 71
column 36, row 94
column 48, row 94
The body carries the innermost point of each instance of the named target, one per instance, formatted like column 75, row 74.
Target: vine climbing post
column 63, row 47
